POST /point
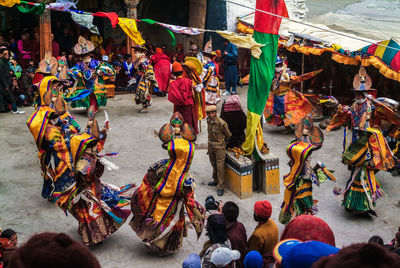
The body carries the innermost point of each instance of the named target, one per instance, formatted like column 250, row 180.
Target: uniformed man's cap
column 211, row 108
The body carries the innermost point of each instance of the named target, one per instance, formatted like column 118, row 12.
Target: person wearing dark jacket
column 235, row 230
column 230, row 57
column 6, row 96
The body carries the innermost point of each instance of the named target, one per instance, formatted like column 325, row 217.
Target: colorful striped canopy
column 387, row 54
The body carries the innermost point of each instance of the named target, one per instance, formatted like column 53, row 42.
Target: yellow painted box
column 271, row 175
column 239, row 175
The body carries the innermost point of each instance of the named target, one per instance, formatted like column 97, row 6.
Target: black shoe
column 220, row 192
column 212, row 183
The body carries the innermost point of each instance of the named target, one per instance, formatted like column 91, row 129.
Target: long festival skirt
column 98, row 218
column 359, row 198
column 99, row 98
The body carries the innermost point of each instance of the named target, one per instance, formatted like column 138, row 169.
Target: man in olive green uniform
column 218, row 136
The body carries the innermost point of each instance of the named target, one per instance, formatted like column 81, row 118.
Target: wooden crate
column 110, row 91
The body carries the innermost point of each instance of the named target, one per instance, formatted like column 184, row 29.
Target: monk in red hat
column 181, row 95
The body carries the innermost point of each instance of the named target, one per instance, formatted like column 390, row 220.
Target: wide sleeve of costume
column 106, row 70
column 75, row 72
column 195, row 211
column 342, row 116
column 56, row 142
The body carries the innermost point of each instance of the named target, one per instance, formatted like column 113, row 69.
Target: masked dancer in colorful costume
column 210, row 76
column 192, row 69
column 298, row 199
column 367, row 152
column 285, row 106
column 166, row 194
column 51, row 126
column 100, row 208
column 89, row 75
column 146, row 79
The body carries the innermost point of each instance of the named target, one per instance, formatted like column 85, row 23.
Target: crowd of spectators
column 307, row 241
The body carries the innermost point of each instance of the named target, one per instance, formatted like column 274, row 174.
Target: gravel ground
column 133, row 136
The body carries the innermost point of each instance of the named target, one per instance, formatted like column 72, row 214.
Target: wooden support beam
column 197, row 18
column 45, row 33
column 132, row 14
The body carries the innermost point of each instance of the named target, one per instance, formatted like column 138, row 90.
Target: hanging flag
column 86, row 21
column 244, row 41
column 266, row 31
column 112, row 16
column 181, row 29
column 61, row 5
column 36, row 9
column 9, row 3
column 151, row 22
column 130, row 28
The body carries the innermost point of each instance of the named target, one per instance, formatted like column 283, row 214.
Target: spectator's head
column 216, row 228
column 253, row 259
column 104, row 58
column 376, row 239
column 262, row 211
column 10, row 234
column 37, row 36
column 230, row 211
column 226, row 42
column 179, row 48
column 192, row 261
column 193, row 50
column 308, row 227
column 4, row 53
column 128, row 58
column 30, row 71
column 292, row 253
column 53, row 250
column 361, row 255
column 164, row 48
column 224, row 257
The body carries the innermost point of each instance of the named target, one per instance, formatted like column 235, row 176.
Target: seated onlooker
column 376, row 239
column 20, row 94
column 360, row 255
column 216, row 232
column 292, row 253
column 253, row 259
column 11, row 235
column 8, row 243
column 192, row 261
column 53, row 250
column 309, row 227
column 224, row 257
column 235, row 230
column 15, row 67
column 265, row 235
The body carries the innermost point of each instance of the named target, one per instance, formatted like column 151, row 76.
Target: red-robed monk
column 162, row 70
column 181, row 95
